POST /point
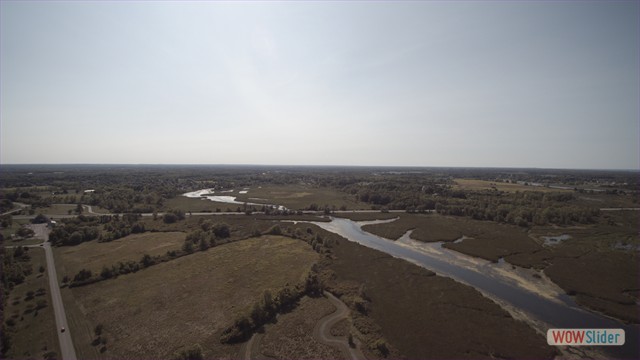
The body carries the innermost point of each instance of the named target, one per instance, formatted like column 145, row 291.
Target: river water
column 501, row 282
column 208, row 194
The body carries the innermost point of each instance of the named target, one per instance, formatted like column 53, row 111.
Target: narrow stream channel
column 553, row 310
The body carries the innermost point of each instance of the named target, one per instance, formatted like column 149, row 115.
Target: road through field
column 66, row 343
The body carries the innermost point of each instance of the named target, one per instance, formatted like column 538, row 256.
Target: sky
column 546, row 84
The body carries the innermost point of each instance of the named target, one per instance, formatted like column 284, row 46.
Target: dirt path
column 321, row 332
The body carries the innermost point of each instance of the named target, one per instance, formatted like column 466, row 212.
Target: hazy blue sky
column 452, row 83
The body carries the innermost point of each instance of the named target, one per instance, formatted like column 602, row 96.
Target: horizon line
column 321, row 166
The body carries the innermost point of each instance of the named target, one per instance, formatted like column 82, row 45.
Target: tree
column 98, row 329
column 187, row 247
column 137, row 228
column 169, row 218
column 76, row 238
column 222, row 230
column 275, row 230
column 146, row 260
column 194, row 353
column 203, row 244
column 206, row 225
column 40, row 219
column 82, row 275
column 25, row 232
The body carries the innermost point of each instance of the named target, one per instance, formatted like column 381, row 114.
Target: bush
column 137, row 228
column 82, row 275
column 194, row 353
column 40, row 219
column 275, row 230
column 169, row 218
column 25, row 232
column 222, row 231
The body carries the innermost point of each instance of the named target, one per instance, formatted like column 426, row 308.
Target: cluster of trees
column 16, row 266
column 86, row 277
column 73, row 233
column 116, row 227
column 173, row 216
column 266, row 309
column 209, row 235
column 5, row 205
column 520, row 208
column 24, row 196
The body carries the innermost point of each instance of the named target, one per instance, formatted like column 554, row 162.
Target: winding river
column 533, row 299
column 527, row 294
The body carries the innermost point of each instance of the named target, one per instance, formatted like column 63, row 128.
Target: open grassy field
column 291, row 196
column 431, row 317
column 301, row 197
column 292, row 336
column 93, row 255
column 64, row 209
column 197, row 205
column 34, row 333
column 475, row 185
column 163, row 309
column 11, row 230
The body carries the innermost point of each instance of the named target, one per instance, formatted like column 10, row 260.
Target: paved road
column 306, row 212
column 20, row 207
column 66, row 344
column 619, row 209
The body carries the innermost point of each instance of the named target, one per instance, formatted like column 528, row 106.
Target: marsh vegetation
column 216, row 273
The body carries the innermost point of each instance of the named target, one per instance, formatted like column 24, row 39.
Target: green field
column 474, row 185
column 93, row 255
column 34, row 333
column 301, row 197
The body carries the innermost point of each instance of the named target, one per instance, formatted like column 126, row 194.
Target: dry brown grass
column 606, row 288
column 488, row 240
column 93, row 255
column 427, row 227
column 432, row 317
column 155, row 312
column 292, row 336
column 35, row 331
